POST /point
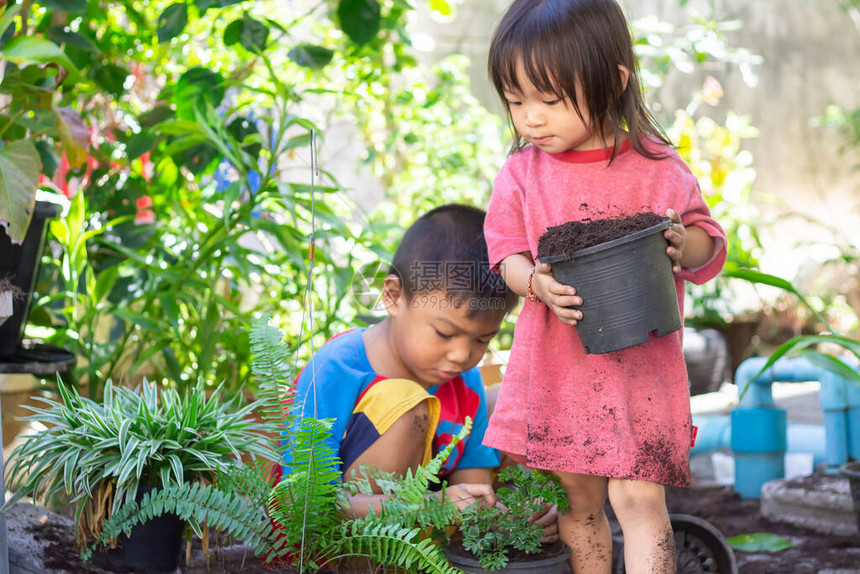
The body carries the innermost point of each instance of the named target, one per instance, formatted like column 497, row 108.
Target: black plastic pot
column 627, row 289
column 851, row 471
column 153, row 546
column 553, row 565
column 20, row 264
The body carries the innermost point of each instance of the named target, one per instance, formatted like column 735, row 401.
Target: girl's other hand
column 465, row 494
column 676, row 235
column 558, row 297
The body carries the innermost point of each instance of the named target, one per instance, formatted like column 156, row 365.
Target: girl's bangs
column 542, row 62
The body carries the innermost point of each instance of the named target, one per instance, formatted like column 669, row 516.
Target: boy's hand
column 676, row 235
column 547, row 517
column 465, row 494
column 557, row 296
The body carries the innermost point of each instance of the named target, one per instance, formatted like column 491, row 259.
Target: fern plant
column 310, row 502
column 490, row 533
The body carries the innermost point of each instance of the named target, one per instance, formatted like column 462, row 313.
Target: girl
column 586, row 147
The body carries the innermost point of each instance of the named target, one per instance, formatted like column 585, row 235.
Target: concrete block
column 819, row 502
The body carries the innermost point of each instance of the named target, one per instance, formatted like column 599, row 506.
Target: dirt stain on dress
column 656, row 461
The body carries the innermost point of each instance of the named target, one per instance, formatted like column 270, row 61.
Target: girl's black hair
column 445, row 250
column 562, row 42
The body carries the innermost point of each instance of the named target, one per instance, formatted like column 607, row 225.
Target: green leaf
column 106, row 281
column 311, row 56
column 179, row 128
column 154, row 116
column 359, row 19
column 251, row 34
column 7, row 21
column 25, row 49
column 172, row 22
column 73, row 6
column 50, row 161
column 195, row 89
column 20, row 167
column 203, row 5
column 137, row 319
column 759, row 542
column 832, row 364
column 109, row 77
column 140, row 143
column 60, row 35
column 759, row 277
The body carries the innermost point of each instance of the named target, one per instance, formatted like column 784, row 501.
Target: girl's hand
column 465, row 494
column 558, row 297
column 676, row 235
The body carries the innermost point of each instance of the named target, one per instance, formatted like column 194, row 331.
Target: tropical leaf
column 20, row 166
column 359, row 19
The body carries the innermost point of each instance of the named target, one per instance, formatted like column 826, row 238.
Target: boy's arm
column 461, row 494
column 470, row 476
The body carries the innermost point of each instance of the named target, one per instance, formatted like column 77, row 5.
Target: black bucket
column 20, row 263
column 627, row 289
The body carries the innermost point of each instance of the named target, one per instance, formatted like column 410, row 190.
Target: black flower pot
column 851, row 471
column 627, row 289
column 20, row 264
column 541, row 565
column 153, row 546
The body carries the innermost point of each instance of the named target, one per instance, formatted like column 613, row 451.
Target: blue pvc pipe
column 715, row 432
column 761, row 434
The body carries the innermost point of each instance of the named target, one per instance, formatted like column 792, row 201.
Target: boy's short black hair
column 445, row 250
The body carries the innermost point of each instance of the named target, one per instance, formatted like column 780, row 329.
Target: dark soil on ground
column 574, row 236
column 718, row 505
column 732, row 516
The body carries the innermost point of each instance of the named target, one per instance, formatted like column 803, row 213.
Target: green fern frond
column 272, row 371
column 251, row 481
column 307, row 500
column 390, row 544
column 224, row 511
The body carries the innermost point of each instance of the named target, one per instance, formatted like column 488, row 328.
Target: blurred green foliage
column 181, row 132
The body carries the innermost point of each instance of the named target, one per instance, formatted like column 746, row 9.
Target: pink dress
column 624, row 414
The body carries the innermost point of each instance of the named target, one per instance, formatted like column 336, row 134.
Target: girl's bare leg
column 584, row 527
column 649, row 545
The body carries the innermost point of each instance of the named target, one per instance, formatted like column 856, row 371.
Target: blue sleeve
column 476, row 455
column 329, row 385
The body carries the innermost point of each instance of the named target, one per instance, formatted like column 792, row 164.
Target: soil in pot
column 552, row 558
column 620, row 268
column 575, row 236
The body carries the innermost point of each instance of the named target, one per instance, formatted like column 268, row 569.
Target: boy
column 399, row 390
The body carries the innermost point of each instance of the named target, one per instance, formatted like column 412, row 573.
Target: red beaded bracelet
column 530, row 294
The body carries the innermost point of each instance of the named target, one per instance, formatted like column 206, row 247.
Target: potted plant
column 303, row 519
column 616, row 264
column 114, row 456
column 503, row 538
